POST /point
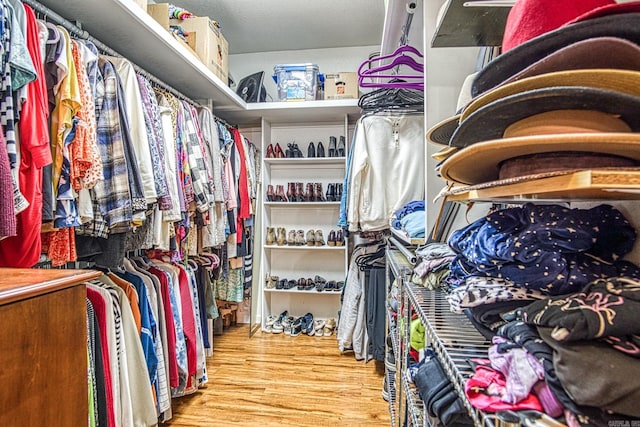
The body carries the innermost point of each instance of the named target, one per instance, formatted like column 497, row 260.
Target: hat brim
column 625, row 26
column 441, row 133
column 624, row 81
column 490, row 121
column 481, row 162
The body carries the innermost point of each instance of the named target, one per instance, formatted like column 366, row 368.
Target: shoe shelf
column 454, row 339
column 301, row 204
column 297, row 291
column 306, row 161
column 307, row 248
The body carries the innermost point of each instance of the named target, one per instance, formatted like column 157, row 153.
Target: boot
column 271, row 236
column 291, row 238
column 291, row 191
column 341, row 147
column 308, row 193
column 281, row 237
column 311, row 151
column 332, row 146
column 311, row 238
column 331, row 193
column 289, row 152
column 270, row 193
column 317, row 192
column 339, row 238
column 296, row 151
column 280, row 196
column 331, row 240
column 320, row 150
column 319, row 238
column 299, row 192
column 300, row 238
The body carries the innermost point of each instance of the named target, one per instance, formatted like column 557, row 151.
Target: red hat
column 531, row 18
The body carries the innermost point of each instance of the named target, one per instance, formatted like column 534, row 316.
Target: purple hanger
column 400, row 57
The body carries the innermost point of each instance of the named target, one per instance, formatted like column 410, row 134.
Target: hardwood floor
column 278, row 380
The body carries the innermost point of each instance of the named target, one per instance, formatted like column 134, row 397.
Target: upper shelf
column 463, row 26
column 327, row 111
column 583, row 185
column 130, row 31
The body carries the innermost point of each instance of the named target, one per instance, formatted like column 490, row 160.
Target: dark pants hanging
column 375, row 300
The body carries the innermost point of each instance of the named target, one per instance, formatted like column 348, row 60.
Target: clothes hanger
column 397, row 61
column 402, row 50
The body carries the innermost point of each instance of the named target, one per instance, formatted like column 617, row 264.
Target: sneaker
column 307, row 324
column 297, row 326
column 278, row 327
column 287, row 323
column 318, row 326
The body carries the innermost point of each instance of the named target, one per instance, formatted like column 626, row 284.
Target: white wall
column 446, row 69
column 328, row 61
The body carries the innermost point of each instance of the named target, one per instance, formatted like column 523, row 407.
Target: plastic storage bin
column 296, row 82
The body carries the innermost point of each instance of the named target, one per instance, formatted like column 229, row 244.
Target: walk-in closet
column 283, row 213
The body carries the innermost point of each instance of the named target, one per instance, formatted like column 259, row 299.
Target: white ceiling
column 275, row 25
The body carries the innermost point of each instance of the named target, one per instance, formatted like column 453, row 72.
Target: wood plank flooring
column 278, row 380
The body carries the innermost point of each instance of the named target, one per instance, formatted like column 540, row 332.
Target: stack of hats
column 563, row 96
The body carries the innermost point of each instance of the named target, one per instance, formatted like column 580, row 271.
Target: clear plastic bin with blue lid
column 297, row 82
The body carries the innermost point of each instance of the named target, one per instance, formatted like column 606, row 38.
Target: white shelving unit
column 294, row 262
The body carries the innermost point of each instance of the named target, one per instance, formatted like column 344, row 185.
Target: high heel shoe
column 291, row 191
column 311, row 151
column 270, row 193
column 331, row 192
column 300, row 238
column 277, row 152
column 309, row 193
column 271, row 236
column 281, row 236
column 339, row 238
column 299, row 194
column 317, row 192
column 270, row 154
column 291, row 238
column 319, row 238
column 296, row 151
column 340, row 148
column 311, row 238
column 320, row 150
column 338, row 189
column 332, row 146
column 279, row 195
column 331, row 240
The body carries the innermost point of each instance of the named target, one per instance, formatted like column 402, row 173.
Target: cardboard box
column 160, row 12
column 342, row 85
column 209, row 44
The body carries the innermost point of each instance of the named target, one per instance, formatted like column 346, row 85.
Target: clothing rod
column 79, row 32
column 406, row 252
column 404, row 37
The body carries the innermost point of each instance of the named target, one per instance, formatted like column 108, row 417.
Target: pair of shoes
column 320, row 283
column 293, row 151
column 295, row 238
column 295, row 193
column 276, row 196
column 336, row 238
column 334, row 192
column 277, row 326
column 336, row 149
column 271, row 281
column 304, row 325
column 287, row 324
column 274, row 153
column 329, row 327
column 315, row 238
column 268, row 324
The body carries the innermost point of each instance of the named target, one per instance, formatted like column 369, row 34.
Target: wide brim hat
column 593, row 53
column 491, row 121
column 482, row 161
column 508, row 64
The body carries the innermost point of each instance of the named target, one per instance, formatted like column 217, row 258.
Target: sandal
column 329, row 327
column 339, row 286
column 307, row 324
column 318, row 326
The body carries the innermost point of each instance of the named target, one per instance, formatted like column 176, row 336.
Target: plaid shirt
column 202, row 190
column 112, row 194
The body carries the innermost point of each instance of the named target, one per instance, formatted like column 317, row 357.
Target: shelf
column 146, row 43
column 462, row 26
column 398, row 263
column 582, row 185
column 307, row 247
column 296, row 291
column 306, row 161
column 454, row 339
column 403, row 237
column 415, row 406
column 301, row 204
column 325, row 111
